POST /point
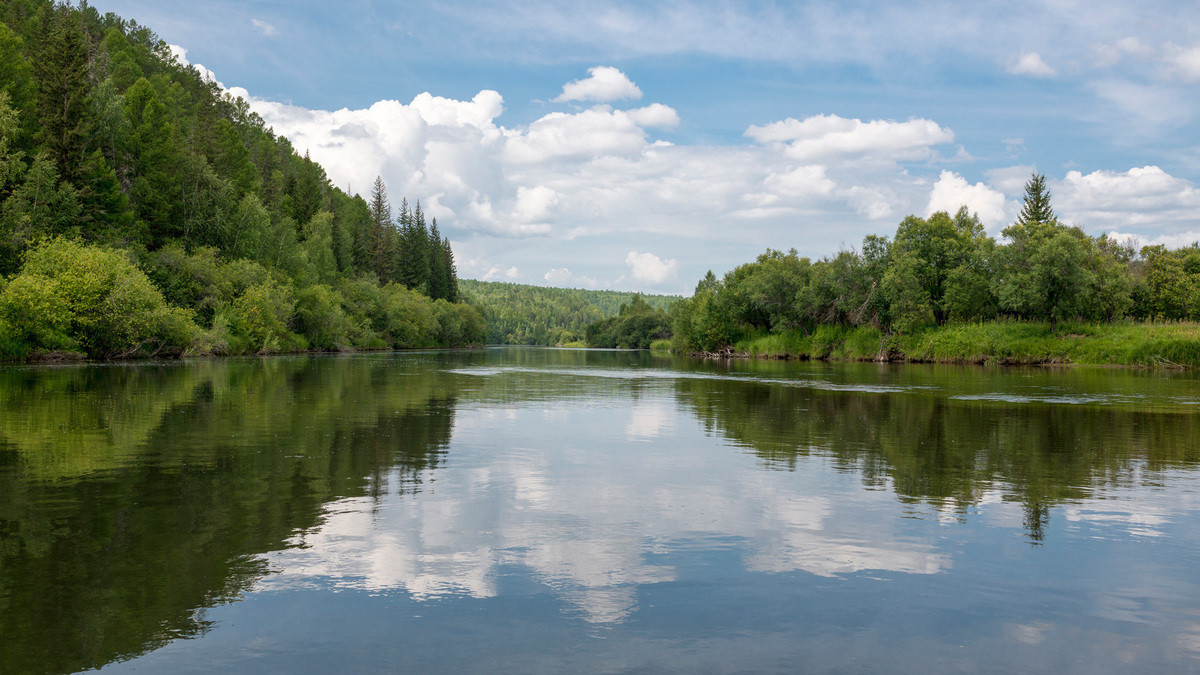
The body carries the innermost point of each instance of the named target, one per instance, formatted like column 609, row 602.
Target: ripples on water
column 528, row 510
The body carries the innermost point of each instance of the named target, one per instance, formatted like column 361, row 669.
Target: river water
column 538, row 510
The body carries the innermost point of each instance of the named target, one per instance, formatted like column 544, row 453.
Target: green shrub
column 36, row 313
column 261, row 317
column 320, row 318
column 410, row 321
column 198, row 280
column 69, row 294
column 11, row 347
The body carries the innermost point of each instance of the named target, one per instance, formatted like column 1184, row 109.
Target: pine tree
column 404, row 259
column 416, row 276
column 381, row 224
column 450, row 271
column 64, row 101
column 358, row 215
column 17, row 80
column 438, row 286
column 1036, row 208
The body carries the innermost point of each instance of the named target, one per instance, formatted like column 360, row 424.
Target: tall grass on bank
column 1015, row 342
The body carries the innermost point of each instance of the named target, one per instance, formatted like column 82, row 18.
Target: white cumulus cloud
column 651, row 269
column 1031, row 64
column 1141, row 197
column 830, row 136
column 952, row 191
column 598, row 181
column 603, row 84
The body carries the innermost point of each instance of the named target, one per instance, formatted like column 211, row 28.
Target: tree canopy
column 112, row 150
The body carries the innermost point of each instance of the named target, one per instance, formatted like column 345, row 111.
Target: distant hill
column 520, row 314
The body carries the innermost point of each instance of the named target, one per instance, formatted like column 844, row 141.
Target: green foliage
column 409, row 319
column 536, row 315
column 338, row 428
column 199, row 280
column 260, row 318
column 17, row 85
column 636, row 326
column 69, row 295
column 35, row 313
column 458, row 324
column 321, row 319
column 925, row 255
column 944, row 271
column 1168, row 283
column 1036, row 203
column 41, row 206
column 660, row 345
column 64, row 103
column 107, row 140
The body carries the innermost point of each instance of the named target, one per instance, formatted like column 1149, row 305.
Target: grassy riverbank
column 1003, row 342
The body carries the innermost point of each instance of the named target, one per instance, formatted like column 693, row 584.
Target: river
column 541, row 510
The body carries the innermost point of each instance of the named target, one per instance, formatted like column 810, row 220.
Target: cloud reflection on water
column 594, row 518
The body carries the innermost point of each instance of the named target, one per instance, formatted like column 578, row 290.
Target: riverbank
column 74, row 357
column 1163, row 345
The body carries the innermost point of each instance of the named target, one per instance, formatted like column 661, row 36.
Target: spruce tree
column 1036, row 208
column 381, row 221
column 64, row 88
column 404, row 259
column 450, row 271
column 417, row 277
column 359, row 218
column 438, row 286
column 17, row 80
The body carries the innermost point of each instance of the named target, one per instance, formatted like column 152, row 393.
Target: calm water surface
column 548, row 510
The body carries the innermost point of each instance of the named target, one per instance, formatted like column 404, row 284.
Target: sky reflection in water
column 543, row 510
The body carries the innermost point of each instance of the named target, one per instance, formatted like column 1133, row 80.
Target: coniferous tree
column 438, row 286
column 404, row 259
column 417, row 246
column 450, row 271
column 358, row 216
column 106, row 138
column 1036, row 207
column 381, row 225
column 64, row 89
column 16, row 78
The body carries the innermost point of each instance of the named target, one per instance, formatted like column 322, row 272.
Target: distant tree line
column 521, row 314
column 945, row 268
column 208, row 231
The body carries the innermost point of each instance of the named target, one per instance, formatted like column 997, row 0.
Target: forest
column 519, row 314
column 144, row 211
column 942, row 289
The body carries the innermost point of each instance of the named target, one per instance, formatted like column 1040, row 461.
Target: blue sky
column 635, row 145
